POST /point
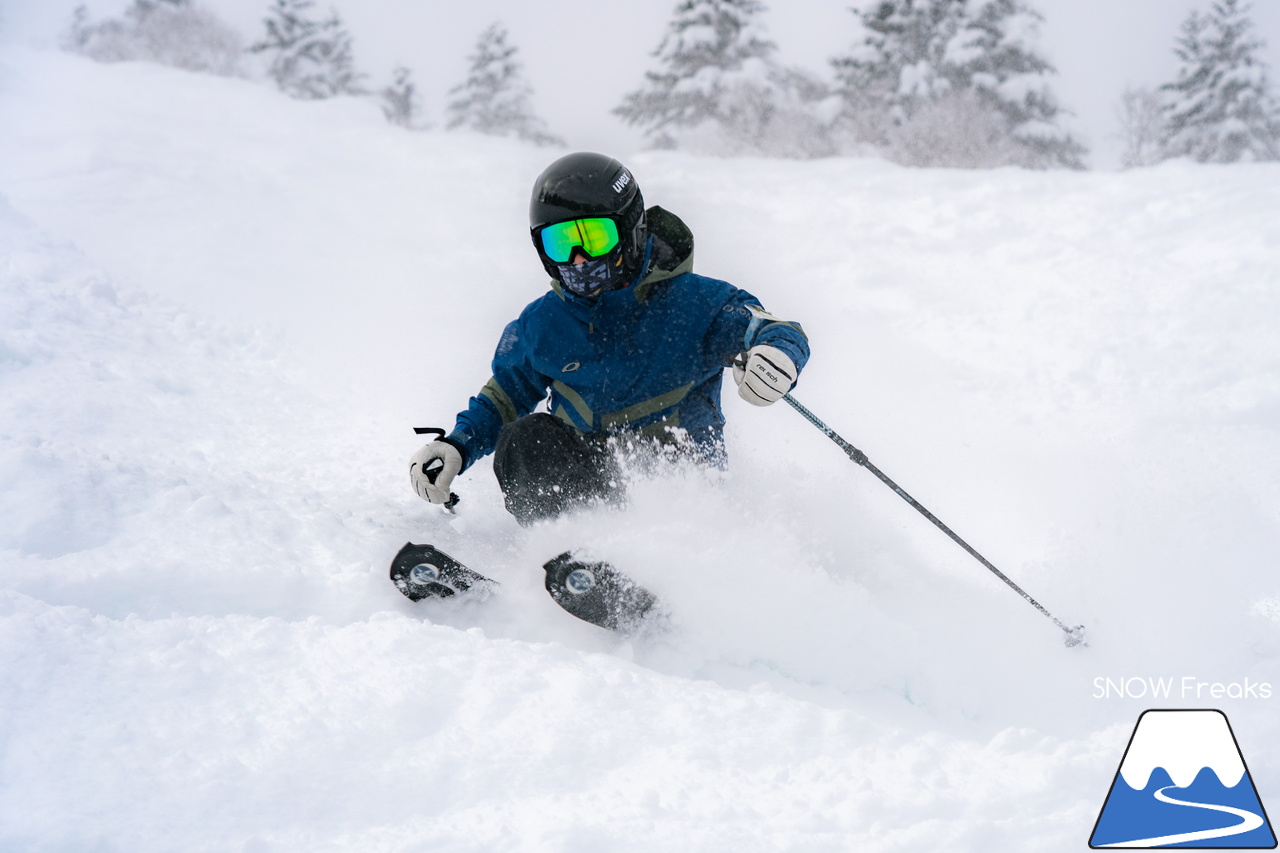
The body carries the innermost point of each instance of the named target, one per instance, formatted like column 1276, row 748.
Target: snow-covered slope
column 221, row 312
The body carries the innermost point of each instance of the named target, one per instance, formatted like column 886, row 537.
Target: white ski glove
column 432, row 469
column 764, row 374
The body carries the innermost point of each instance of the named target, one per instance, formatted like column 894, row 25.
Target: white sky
column 582, row 57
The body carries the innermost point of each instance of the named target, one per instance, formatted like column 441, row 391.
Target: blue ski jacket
column 644, row 359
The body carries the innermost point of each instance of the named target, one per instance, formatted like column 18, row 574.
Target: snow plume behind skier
column 629, row 345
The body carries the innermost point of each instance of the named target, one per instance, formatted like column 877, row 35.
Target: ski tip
column 598, row 593
column 424, row 571
column 1075, row 637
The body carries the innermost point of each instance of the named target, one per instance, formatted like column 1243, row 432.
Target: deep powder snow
column 221, row 312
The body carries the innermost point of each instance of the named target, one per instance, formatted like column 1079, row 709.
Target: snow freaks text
column 1187, row 687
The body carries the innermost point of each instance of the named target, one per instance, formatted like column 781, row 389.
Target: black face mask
column 592, row 277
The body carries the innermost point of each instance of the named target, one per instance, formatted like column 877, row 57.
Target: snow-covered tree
column 169, row 32
column 1141, row 127
column 310, row 58
column 143, row 8
column 400, row 99
column 719, row 89
column 494, row 99
column 898, row 64
column 1221, row 108
column 974, row 60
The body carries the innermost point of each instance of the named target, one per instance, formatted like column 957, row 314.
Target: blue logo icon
column 580, row 581
column 423, row 574
column 1183, row 783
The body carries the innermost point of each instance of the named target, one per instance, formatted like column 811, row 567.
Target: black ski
column 424, row 571
column 594, row 592
column 600, row 594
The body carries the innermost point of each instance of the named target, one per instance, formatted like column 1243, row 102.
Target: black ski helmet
column 582, row 185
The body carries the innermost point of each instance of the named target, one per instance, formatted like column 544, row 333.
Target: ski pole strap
column 748, row 338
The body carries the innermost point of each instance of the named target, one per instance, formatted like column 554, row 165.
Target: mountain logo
column 1182, row 783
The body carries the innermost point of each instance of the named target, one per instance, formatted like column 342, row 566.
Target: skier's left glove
column 432, row 469
column 764, row 374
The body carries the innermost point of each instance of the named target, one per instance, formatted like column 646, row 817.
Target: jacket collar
column 671, row 250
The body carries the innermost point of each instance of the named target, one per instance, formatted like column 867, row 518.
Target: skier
column 630, row 344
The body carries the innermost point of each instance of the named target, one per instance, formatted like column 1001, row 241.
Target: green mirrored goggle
column 595, row 237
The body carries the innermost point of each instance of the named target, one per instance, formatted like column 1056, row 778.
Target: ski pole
column 1075, row 636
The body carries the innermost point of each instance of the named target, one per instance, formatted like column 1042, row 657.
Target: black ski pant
column 545, row 467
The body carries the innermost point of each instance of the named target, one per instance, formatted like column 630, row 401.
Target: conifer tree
column 899, row 64
column 719, row 88
column 169, row 32
column 310, row 59
column 1221, row 108
column 995, row 57
column 494, row 99
column 142, row 8
column 922, row 65
column 400, row 99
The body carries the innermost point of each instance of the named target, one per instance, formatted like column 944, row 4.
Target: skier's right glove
column 764, row 374
column 432, row 469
